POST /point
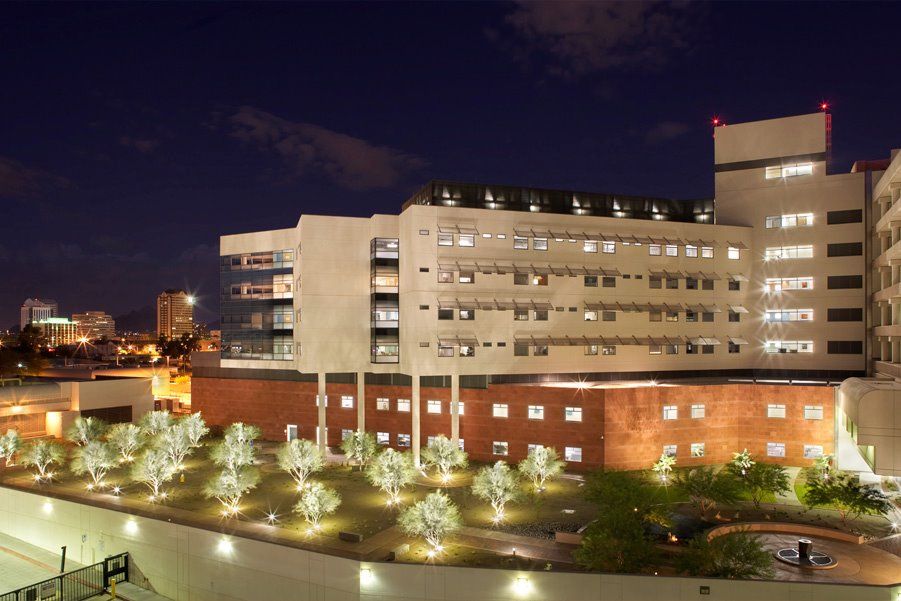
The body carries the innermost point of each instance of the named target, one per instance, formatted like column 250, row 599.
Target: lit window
column 697, row 449
column 609, row 247
column 733, row 253
column 433, row 406
column 698, row 411
column 539, row 279
column 460, row 441
column 382, row 404
column 775, row 410
column 383, row 438
column 780, row 284
column 669, row 450
column 539, row 244
column 608, row 350
column 672, row 250
column 591, row 349
column 445, row 239
column 347, row 402
column 813, row 451
column 403, row 405
column 467, row 314
column 533, row 447
column 670, row 412
column 789, row 252
column 461, row 408
column 403, row 440
column 536, row 411
column 467, row 240
column 520, row 315
column 345, row 433
column 499, row 410
column 520, row 243
column 789, row 346
column 572, row 414
column 445, row 277
column 779, row 315
column 499, row 448
column 590, row 246
column 467, row 351
column 778, row 171
column 591, row 315
column 775, row 449
column 691, row 251
column 445, row 351
column 573, row 454
column 794, row 220
column 654, row 250
column 813, row 412
column 655, row 349
column 467, row 277
column 706, row 252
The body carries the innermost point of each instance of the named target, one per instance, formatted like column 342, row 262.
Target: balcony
column 887, row 293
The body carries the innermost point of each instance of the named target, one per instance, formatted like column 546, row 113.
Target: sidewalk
column 130, row 592
column 22, row 564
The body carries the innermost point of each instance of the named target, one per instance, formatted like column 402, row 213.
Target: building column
column 320, row 406
column 361, row 401
column 414, row 417
column 455, row 408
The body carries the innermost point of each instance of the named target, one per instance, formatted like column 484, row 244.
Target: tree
column 301, row 458
column 739, row 555
column 42, row 454
column 765, row 478
column 85, row 429
column 823, row 466
column 741, row 463
column 707, row 488
column 497, row 485
column 359, row 446
column 230, row 486
column 241, row 433
column 153, row 468
column 195, row 428
column 177, row 444
column 9, row 446
column 154, row 422
column 618, row 540
column 95, row 458
column 391, row 472
column 235, row 455
column 127, row 439
column 541, row 464
column 315, row 502
column 664, row 466
column 433, row 519
column 846, row 495
column 444, row 455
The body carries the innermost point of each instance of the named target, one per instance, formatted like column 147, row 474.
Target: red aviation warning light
column 824, row 106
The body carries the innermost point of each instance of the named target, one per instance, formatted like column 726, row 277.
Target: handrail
column 76, row 585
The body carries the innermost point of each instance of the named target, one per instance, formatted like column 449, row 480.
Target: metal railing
column 76, row 585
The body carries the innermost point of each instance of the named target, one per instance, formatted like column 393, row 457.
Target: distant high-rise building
column 95, row 324
column 36, row 309
column 174, row 313
column 58, row 330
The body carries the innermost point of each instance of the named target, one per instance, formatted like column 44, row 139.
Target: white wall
column 187, row 564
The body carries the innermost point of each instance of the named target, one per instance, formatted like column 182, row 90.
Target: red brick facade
column 620, row 427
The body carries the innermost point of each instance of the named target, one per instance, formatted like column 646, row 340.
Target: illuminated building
column 174, row 313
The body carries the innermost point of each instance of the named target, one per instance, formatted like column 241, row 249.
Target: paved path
column 22, row 564
column 790, row 498
column 130, row 592
column 504, row 543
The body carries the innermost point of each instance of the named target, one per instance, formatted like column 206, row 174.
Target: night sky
column 132, row 136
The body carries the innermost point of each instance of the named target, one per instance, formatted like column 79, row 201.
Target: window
column 780, row 315
column 499, row 410
column 608, row 315
column 521, row 279
column 672, row 250
column 461, row 408
column 541, row 315
column 691, row 251
column 317, row 400
column 691, row 283
column 536, row 411
column 655, row 281
column 445, row 314
column 670, row 412
column 655, row 315
column 499, row 448
column 734, row 286
column 423, row 270
column 486, row 235
column 423, row 345
column 383, row 438
column 794, row 220
column 591, row 281
column 813, row 412
column 671, row 349
column 467, row 314
column 572, row 414
column 813, row 451
column 706, row 252
column 707, row 349
column 467, row 240
column 423, row 232
column 690, row 316
column 851, row 314
column 844, row 347
column 608, row 282
column 433, row 406
column 608, row 350
column 520, row 315
column 848, row 216
column 520, row 243
column 672, row 316
column 733, row 253
column 793, row 170
column 780, row 284
column 467, row 277
column 445, row 277
column 382, row 404
column 655, row 349
column 403, row 405
column 654, row 250
column 347, row 402
column 691, row 349
column 672, row 283
column 609, row 247
column 445, row 239
column 539, row 279
column 590, row 246
column 445, row 351
column 734, row 348
column 669, row 450
column 572, row 454
column 698, row 412
column 844, row 249
column 591, row 315
column 789, row 346
column 467, row 350
column 540, row 351
column 844, row 282
column 403, row 440
column 539, row 244
column 697, row 449
column 591, row 349
column 776, row 411
column 775, row 449
column 734, row 317
column 533, row 447
column 520, row 350
column 788, row 252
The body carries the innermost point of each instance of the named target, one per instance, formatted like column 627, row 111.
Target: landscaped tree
column 433, row 519
column 154, row 422
column 664, row 466
column 707, row 488
column 823, row 466
column 85, row 429
column 95, row 458
column 738, row 555
column 176, row 441
column 359, row 446
column 235, row 455
column 846, row 495
column 444, row 455
column 240, row 433
column 195, row 428
column 42, row 454
column 618, row 540
column 229, row 486
column 127, row 439
column 765, row 478
column 391, row 472
column 301, row 458
column 540, row 465
column 9, row 446
column 153, row 468
column 741, row 463
column 315, row 502
column 497, row 485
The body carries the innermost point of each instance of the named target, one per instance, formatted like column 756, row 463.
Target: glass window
column 671, row 349
column 591, row 281
column 591, row 349
column 733, row 253
column 698, row 412
column 382, row 404
column 789, row 346
column 499, row 448
column 706, row 317
column 467, row 314
column 445, row 314
column 520, row 350
column 773, row 410
column 433, row 406
column 779, row 315
column 520, row 315
column 445, row 277
column 669, row 450
column 804, row 251
column 539, row 279
column 706, row 252
column 403, row 405
column 691, row 251
column 467, row 240
column 499, row 410
column 591, row 315
column 608, row 281
column 520, row 243
column 672, row 250
column 445, row 239
column 572, row 414
column 655, row 315
column 655, row 349
column 734, row 286
column 383, row 438
column 521, row 279
column 672, row 316
column 541, row 315
column 609, row 247
column 691, row 283
column 608, row 315
column 403, row 440
column 467, row 277
column 690, row 316
column 697, row 449
column 347, row 402
column 467, row 350
column 608, row 350
column 655, row 281
column 813, row 412
column 461, row 408
column 502, row 236
column 672, row 283
column 775, row 449
column 345, row 433
column 670, row 412
column 572, row 454
column 536, row 411
column 590, row 246
column 654, row 250
column 734, row 348
column 813, row 451
column 539, row 244
column 780, row 284
column 540, row 351
column 445, row 351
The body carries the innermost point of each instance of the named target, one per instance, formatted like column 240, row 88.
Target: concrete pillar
column 414, row 418
column 320, row 406
column 361, row 402
column 455, row 407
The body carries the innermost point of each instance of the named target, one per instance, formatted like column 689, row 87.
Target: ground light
column 366, row 576
column 225, row 546
column 522, row 586
column 131, row 526
column 48, row 507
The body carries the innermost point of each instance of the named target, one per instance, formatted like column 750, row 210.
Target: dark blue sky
column 133, row 135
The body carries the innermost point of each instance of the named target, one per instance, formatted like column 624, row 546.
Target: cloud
column 583, row 37
column 665, row 131
column 142, row 145
column 21, row 182
column 306, row 148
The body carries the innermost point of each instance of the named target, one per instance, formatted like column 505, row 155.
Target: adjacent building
column 614, row 328
column 58, row 331
column 95, row 324
column 174, row 313
column 36, row 309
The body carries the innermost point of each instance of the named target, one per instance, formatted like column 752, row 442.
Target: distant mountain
column 137, row 320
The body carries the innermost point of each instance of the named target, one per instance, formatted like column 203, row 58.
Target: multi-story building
column 36, row 309
column 95, row 324
column 614, row 328
column 59, row 331
column 174, row 313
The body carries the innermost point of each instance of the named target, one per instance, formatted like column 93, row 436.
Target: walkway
column 789, row 497
column 22, row 564
column 504, row 543
column 130, row 592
